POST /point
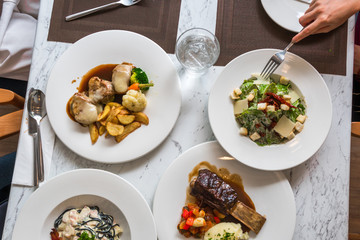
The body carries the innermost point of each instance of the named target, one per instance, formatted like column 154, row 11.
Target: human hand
column 322, row 16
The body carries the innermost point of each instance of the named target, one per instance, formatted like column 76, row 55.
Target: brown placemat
column 155, row 19
column 243, row 25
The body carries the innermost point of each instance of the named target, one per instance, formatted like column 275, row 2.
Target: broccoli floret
column 139, row 76
column 85, row 236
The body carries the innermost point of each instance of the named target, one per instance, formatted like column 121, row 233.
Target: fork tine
column 269, row 71
column 272, row 70
column 266, row 68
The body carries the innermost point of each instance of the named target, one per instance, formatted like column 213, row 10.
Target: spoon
column 37, row 111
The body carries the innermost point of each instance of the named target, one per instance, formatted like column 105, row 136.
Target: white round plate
column 278, row 156
column 116, row 46
column 90, row 187
column 286, row 13
column 270, row 192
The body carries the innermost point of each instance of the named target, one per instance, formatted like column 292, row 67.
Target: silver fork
column 274, row 62
column 125, row 3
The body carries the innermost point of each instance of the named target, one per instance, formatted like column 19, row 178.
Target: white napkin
column 24, row 165
column 17, row 34
column 30, row 7
column 7, row 11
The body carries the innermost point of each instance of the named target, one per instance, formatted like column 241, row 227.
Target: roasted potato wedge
column 113, row 112
column 115, row 120
column 104, row 114
column 114, row 129
column 124, row 112
column 141, row 118
column 127, row 130
column 113, row 104
column 94, row 133
column 102, row 130
column 125, row 119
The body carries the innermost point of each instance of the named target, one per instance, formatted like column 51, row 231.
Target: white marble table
column 320, row 185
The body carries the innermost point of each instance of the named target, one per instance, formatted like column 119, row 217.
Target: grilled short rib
column 215, row 192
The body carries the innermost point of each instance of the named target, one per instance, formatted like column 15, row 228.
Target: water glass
column 197, row 49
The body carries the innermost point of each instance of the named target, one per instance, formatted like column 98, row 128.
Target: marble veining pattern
column 320, row 185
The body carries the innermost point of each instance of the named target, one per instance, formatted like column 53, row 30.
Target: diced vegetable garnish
column 195, row 221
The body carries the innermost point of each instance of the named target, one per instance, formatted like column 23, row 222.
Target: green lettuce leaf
column 270, row 88
column 282, row 89
column 253, row 103
column 293, row 113
column 262, row 88
column 246, row 88
column 249, row 118
column 275, row 115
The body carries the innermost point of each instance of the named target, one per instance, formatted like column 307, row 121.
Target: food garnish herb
column 85, row 236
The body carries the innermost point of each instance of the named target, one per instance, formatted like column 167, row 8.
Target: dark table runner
column 155, row 19
column 243, row 25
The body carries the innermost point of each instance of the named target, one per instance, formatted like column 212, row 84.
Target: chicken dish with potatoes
column 111, row 100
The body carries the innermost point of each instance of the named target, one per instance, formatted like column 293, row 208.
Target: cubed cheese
column 255, row 136
column 270, row 108
column 284, row 127
column 299, row 126
column 301, row 118
column 291, row 136
column 284, row 107
column 261, row 106
column 243, row 131
column 250, row 97
column 240, row 106
column 284, row 80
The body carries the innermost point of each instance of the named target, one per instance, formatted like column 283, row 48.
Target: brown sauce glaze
column 103, row 71
column 68, row 110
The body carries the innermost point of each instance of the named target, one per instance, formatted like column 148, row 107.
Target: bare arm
column 325, row 15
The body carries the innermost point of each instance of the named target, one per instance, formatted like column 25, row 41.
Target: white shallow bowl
column 270, row 192
column 278, row 156
column 286, row 13
column 116, row 46
column 91, row 187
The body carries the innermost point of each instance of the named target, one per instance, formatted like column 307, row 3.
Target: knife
column 305, row 1
column 33, row 132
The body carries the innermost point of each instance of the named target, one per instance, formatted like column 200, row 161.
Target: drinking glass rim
column 196, row 28
column 217, row 44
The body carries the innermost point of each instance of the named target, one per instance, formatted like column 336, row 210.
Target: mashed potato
column 226, row 231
